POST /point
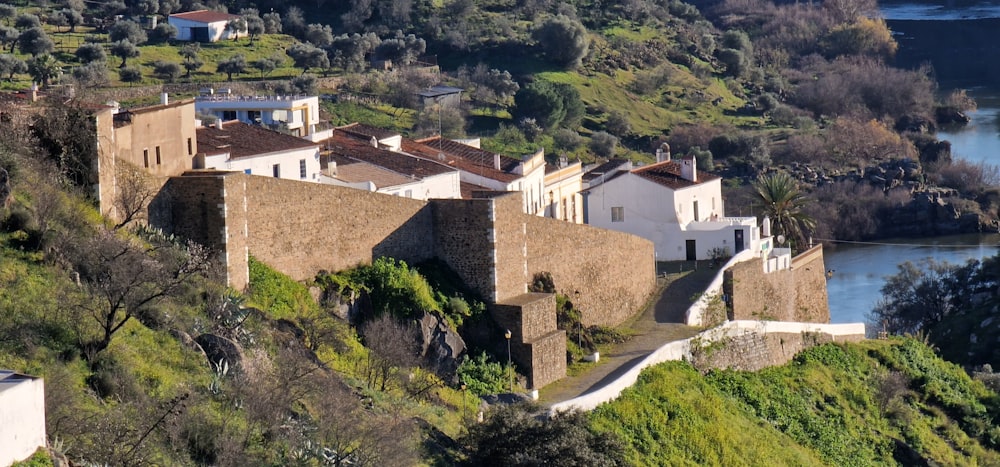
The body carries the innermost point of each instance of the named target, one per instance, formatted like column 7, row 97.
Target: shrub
column 482, row 375
column 603, row 144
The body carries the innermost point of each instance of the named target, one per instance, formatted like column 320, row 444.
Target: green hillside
column 875, row 403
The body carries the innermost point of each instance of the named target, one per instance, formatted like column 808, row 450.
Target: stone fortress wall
column 795, row 294
column 302, row 228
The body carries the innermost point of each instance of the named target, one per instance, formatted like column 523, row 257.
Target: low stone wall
column 763, row 354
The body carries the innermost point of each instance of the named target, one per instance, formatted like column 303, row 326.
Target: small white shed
column 22, row 416
column 203, row 26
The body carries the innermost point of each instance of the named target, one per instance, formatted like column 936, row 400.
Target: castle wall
column 794, row 294
column 464, row 239
column 608, row 275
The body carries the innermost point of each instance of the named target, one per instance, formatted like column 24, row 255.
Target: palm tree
column 783, row 203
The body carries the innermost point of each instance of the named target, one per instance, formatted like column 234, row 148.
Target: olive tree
column 564, row 40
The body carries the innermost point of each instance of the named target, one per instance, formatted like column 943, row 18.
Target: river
column 961, row 45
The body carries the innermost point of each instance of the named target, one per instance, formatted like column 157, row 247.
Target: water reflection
column 859, row 270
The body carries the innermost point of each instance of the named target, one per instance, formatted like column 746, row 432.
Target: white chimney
column 688, row 170
column 765, row 227
column 374, row 142
column 496, row 161
column 663, row 153
column 218, row 124
column 164, row 99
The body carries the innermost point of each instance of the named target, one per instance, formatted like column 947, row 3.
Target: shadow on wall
column 399, row 243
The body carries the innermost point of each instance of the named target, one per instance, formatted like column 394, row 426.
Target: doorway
column 692, row 252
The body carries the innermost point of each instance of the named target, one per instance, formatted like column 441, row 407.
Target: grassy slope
column 830, row 406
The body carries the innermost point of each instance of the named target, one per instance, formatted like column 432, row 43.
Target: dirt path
column 656, row 325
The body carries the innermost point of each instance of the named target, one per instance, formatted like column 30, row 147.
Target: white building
column 22, row 416
column 563, row 184
column 299, row 114
column 203, row 26
column 355, row 161
column 487, row 170
column 237, row 146
column 679, row 209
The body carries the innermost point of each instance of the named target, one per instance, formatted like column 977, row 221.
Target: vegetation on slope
column 875, row 403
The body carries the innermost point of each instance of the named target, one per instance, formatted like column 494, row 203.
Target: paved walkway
column 656, row 325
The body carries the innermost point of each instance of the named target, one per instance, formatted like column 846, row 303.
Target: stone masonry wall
column 464, row 241
column 536, row 345
column 756, row 351
column 301, row 228
column 511, row 246
column 607, row 275
column 795, row 294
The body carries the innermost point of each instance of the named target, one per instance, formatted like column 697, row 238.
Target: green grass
column 830, row 406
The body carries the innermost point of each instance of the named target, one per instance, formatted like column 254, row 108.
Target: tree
column 603, row 144
column 319, row 35
column 35, row 42
column 349, row 51
column 437, row 119
column 11, row 65
column 125, row 50
column 73, row 18
column 25, row 21
column 123, row 278
column 167, row 71
column 264, row 66
column 618, row 124
column 127, row 31
column 191, row 61
column 255, row 26
column 129, row 75
column 91, row 75
column 916, row 298
column 493, row 85
column 308, row 56
column 162, row 33
column 513, row 435
column 402, row 48
column 235, row 27
column 88, row 53
column 232, row 66
column 7, row 12
column 65, row 135
column 540, row 101
column 272, row 23
column 132, row 193
column 58, row 19
column 9, row 36
column 783, row 203
column 393, row 346
column 564, row 40
column 44, row 68
column 294, row 23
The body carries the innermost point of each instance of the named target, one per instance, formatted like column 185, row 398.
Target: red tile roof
column 244, row 140
column 205, row 16
column 360, row 129
column 346, row 145
column 668, row 174
column 463, row 157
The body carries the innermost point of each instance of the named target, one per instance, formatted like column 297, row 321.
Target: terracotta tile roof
column 244, row 140
column 354, row 171
column 205, row 16
column 464, row 157
column 468, row 188
column 345, row 145
column 605, row 169
column 360, row 129
column 668, row 174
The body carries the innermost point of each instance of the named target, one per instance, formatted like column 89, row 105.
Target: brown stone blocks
column 607, row 275
column 795, row 294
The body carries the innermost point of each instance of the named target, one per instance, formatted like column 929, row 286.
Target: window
column 157, row 155
column 145, row 158
column 190, row 149
column 618, row 214
column 302, row 169
column 276, row 169
column 228, row 115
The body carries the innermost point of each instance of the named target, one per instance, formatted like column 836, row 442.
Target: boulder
column 442, row 347
column 218, row 348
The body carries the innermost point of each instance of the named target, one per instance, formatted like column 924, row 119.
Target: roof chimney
column 496, row 161
column 688, row 170
column 374, row 142
column 164, row 99
column 218, row 124
column 663, row 153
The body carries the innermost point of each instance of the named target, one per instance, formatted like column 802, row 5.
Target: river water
column 968, row 62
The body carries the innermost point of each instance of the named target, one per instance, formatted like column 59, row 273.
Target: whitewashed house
column 298, row 114
column 563, row 184
column 679, row 209
column 353, row 160
column 204, row 26
column 22, row 416
column 485, row 170
column 237, row 146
